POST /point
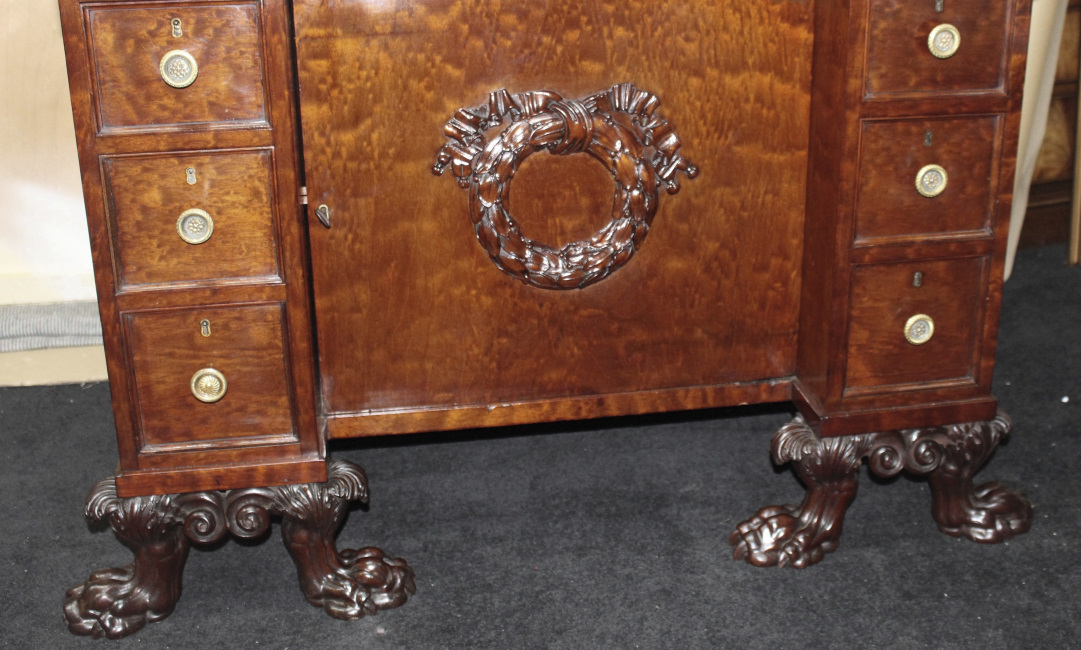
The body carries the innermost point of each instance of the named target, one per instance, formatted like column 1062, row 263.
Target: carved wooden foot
column 800, row 536
column 349, row 584
column 117, row 602
column 989, row 513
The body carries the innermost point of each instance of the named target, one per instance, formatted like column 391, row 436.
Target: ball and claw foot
column 347, row 584
column 948, row 455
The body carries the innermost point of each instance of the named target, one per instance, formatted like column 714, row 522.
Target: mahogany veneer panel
column 883, row 298
column 127, row 46
column 898, row 62
column 412, row 315
column 246, row 346
column 892, row 154
column 148, row 194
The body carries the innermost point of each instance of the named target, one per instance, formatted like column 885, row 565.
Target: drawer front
column 187, row 217
column 926, row 177
column 899, row 57
column 886, row 312
column 129, row 48
column 244, row 344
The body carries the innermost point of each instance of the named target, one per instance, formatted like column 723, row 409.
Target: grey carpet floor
column 603, row 534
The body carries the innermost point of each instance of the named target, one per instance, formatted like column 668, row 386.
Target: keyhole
column 190, row 174
column 205, row 325
column 940, row 5
column 178, row 31
column 917, row 279
column 928, row 138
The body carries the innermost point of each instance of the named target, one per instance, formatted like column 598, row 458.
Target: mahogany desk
column 644, row 206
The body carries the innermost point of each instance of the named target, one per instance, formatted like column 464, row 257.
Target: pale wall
column 44, row 248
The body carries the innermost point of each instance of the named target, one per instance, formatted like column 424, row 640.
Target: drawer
column 244, row 343
column 926, row 177
column 886, row 312
column 899, row 57
column 217, row 50
column 192, row 217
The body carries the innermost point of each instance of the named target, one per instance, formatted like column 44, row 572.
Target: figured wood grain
column 869, row 85
column 148, row 193
column 237, row 120
column 883, row 298
column 127, row 44
column 411, row 313
column 245, row 345
column 892, row 153
column 899, row 63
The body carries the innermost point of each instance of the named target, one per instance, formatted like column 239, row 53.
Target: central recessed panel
column 412, row 314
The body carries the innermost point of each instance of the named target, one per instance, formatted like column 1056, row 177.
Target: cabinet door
column 413, row 314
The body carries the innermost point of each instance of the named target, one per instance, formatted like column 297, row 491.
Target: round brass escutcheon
column 195, row 226
column 944, row 41
column 919, row 329
column 208, row 385
column 931, row 181
column 178, row 69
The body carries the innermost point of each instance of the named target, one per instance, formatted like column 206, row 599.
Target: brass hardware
column 917, row 279
column 195, row 226
column 208, row 385
column 919, row 329
column 928, row 138
column 931, row 181
column 322, row 213
column 940, row 5
column 303, row 195
column 178, row 69
column 190, row 175
column 944, row 41
column 204, row 327
column 177, row 30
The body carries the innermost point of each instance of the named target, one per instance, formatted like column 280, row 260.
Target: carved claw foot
column 948, row 455
column 799, row 536
column 117, row 602
column 989, row 513
column 347, row 584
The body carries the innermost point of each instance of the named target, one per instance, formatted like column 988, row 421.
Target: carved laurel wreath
column 617, row 127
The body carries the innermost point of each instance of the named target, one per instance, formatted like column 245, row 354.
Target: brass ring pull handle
column 195, row 226
column 617, row 127
column 944, row 41
column 919, row 329
column 178, row 69
column 208, row 385
column 931, row 180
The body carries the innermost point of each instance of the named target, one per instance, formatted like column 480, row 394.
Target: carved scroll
column 347, row 584
column 617, row 127
column 949, row 456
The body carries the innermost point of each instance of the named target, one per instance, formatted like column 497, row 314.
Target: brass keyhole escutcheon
column 178, row 31
column 208, row 385
column 189, row 176
column 204, row 327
